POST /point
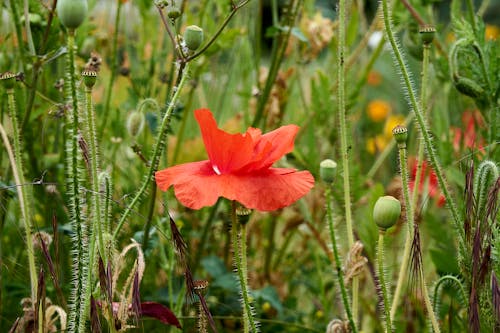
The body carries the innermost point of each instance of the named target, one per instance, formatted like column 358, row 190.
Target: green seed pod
column 386, row 212
column 193, row 37
column 8, row 80
column 135, row 123
column 173, row 12
column 243, row 214
column 89, row 78
column 72, row 12
column 427, row 33
column 328, row 170
column 400, row 134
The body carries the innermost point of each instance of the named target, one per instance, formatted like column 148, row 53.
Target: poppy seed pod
column 89, row 78
column 400, row 134
column 173, row 12
column 427, row 33
column 135, row 123
column 193, row 37
column 8, row 80
column 72, row 12
column 386, row 212
column 328, row 170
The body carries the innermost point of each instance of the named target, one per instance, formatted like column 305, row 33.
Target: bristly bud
column 427, row 33
column 8, row 80
column 328, row 170
column 135, row 123
column 89, row 78
column 72, row 12
column 193, row 37
column 400, row 134
column 243, row 214
column 386, row 212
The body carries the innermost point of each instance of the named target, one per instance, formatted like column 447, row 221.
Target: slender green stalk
column 113, row 68
column 424, row 128
column 157, row 150
column 402, row 276
column 77, row 315
column 341, row 110
column 18, row 172
column 338, row 263
column 238, row 234
column 383, row 284
column 427, row 302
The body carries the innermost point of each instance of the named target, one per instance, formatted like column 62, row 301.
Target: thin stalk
column 19, row 33
column 427, row 302
column 77, row 316
column 383, row 284
column 402, row 276
column 341, row 110
column 17, row 170
column 112, row 76
column 238, row 233
column 424, row 128
column 27, row 27
column 157, row 151
column 338, row 263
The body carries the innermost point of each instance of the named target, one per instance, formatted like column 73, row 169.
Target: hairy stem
column 338, row 263
column 383, row 284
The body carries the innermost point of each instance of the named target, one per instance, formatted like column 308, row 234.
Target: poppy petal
column 227, row 152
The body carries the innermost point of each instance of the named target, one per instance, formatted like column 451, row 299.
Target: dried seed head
column 89, row 78
column 427, row 33
column 400, row 134
column 200, row 284
column 8, row 80
column 328, row 170
column 355, row 262
column 386, row 212
column 39, row 237
column 193, row 37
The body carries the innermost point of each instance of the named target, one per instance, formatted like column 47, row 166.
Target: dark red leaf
column 159, row 312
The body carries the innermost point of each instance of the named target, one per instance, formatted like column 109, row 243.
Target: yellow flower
column 392, row 122
column 376, row 144
column 491, row 32
column 378, row 110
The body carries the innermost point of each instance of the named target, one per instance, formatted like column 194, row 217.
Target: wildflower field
column 249, row 166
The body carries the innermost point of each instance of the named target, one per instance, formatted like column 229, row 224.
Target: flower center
column 216, row 169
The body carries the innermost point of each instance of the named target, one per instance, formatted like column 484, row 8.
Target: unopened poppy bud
column 135, row 123
column 193, row 37
column 386, row 212
column 400, row 134
column 72, row 12
column 8, row 80
column 243, row 214
column 427, row 33
column 328, row 170
column 89, row 78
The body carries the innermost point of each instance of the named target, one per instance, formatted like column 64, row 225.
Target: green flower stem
column 17, row 170
column 423, row 102
column 157, row 151
column 424, row 129
column 77, row 315
column 112, row 76
column 427, row 302
column 410, row 225
column 341, row 110
column 383, row 284
column 239, row 236
column 338, row 263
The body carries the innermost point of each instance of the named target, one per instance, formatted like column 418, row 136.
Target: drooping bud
column 328, row 170
column 135, row 123
column 427, row 33
column 72, row 12
column 386, row 212
column 400, row 134
column 193, row 37
column 8, row 80
column 89, row 78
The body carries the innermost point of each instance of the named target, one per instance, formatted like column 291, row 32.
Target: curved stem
column 338, row 263
column 381, row 276
column 157, row 150
column 238, row 234
column 424, row 128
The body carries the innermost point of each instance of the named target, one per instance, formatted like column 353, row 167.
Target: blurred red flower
column 428, row 182
column 239, row 168
column 468, row 136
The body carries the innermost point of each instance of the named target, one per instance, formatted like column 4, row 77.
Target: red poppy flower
column 239, row 168
column 432, row 186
